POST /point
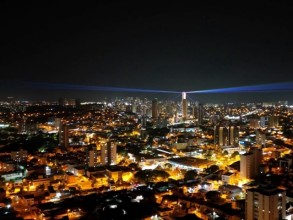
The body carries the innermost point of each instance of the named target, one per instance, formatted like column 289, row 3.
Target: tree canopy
column 212, row 169
column 150, row 175
column 190, row 175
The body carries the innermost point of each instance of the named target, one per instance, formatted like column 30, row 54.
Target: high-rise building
column 57, row 123
column 265, row 203
column 184, row 106
column 260, row 137
column 91, row 156
column 226, row 136
column 109, row 153
column 170, row 110
column 63, row 136
column 250, row 163
column 273, row 121
column 234, row 135
column 263, row 121
column 200, row 114
column 221, row 136
column 155, row 109
column 143, row 121
column 247, row 166
column 134, row 108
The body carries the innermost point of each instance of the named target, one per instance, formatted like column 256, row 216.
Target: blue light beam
column 275, row 87
column 54, row 86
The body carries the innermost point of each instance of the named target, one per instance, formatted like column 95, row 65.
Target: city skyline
column 170, row 47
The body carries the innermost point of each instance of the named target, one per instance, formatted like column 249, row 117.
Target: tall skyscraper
column 63, row 136
column 57, row 123
column 226, row 136
column 200, row 114
column 155, row 109
column 221, row 136
column 143, row 121
column 91, row 156
column 234, row 135
column 184, row 106
column 250, row 163
column 108, row 153
column 134, row 108
column 265, row 203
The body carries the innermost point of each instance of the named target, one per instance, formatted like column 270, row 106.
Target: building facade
column 265, row 203
column 109, row 153
column 250, row 163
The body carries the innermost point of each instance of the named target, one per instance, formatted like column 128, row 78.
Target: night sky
column 145, row 45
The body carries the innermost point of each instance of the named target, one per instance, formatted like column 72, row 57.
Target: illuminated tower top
column 184, row 106
column 183, row 95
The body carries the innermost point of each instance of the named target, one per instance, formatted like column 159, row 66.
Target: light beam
column 274, row 87
column 56, row 86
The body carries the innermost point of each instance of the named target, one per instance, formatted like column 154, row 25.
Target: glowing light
column 55, row 86
column 183, row 95
column 58, row 195
column 275, row 87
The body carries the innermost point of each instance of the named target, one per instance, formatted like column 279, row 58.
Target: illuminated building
column 108, row 153
column 250, row 163
column 143, row 121
column 254, row 123
column 92, row 156
column 184, row 106
column 273, row 121
column 69, row 102
column 265, row 203
column 134, row 108
column 20, row 155
column 260, row 137
column 170, row 110
column 234, row 135
column 63, row 136
column 155, row 109
column 221, row 136
column 226, row 136
column 229, row 178
column 48, row 171
column 263, row 121
column 200, row 113
column 57, row 123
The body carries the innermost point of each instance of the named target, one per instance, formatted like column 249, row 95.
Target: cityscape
column 146, row 110
column 134, row 158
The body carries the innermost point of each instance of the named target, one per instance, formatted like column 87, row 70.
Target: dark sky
column 147, row 45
